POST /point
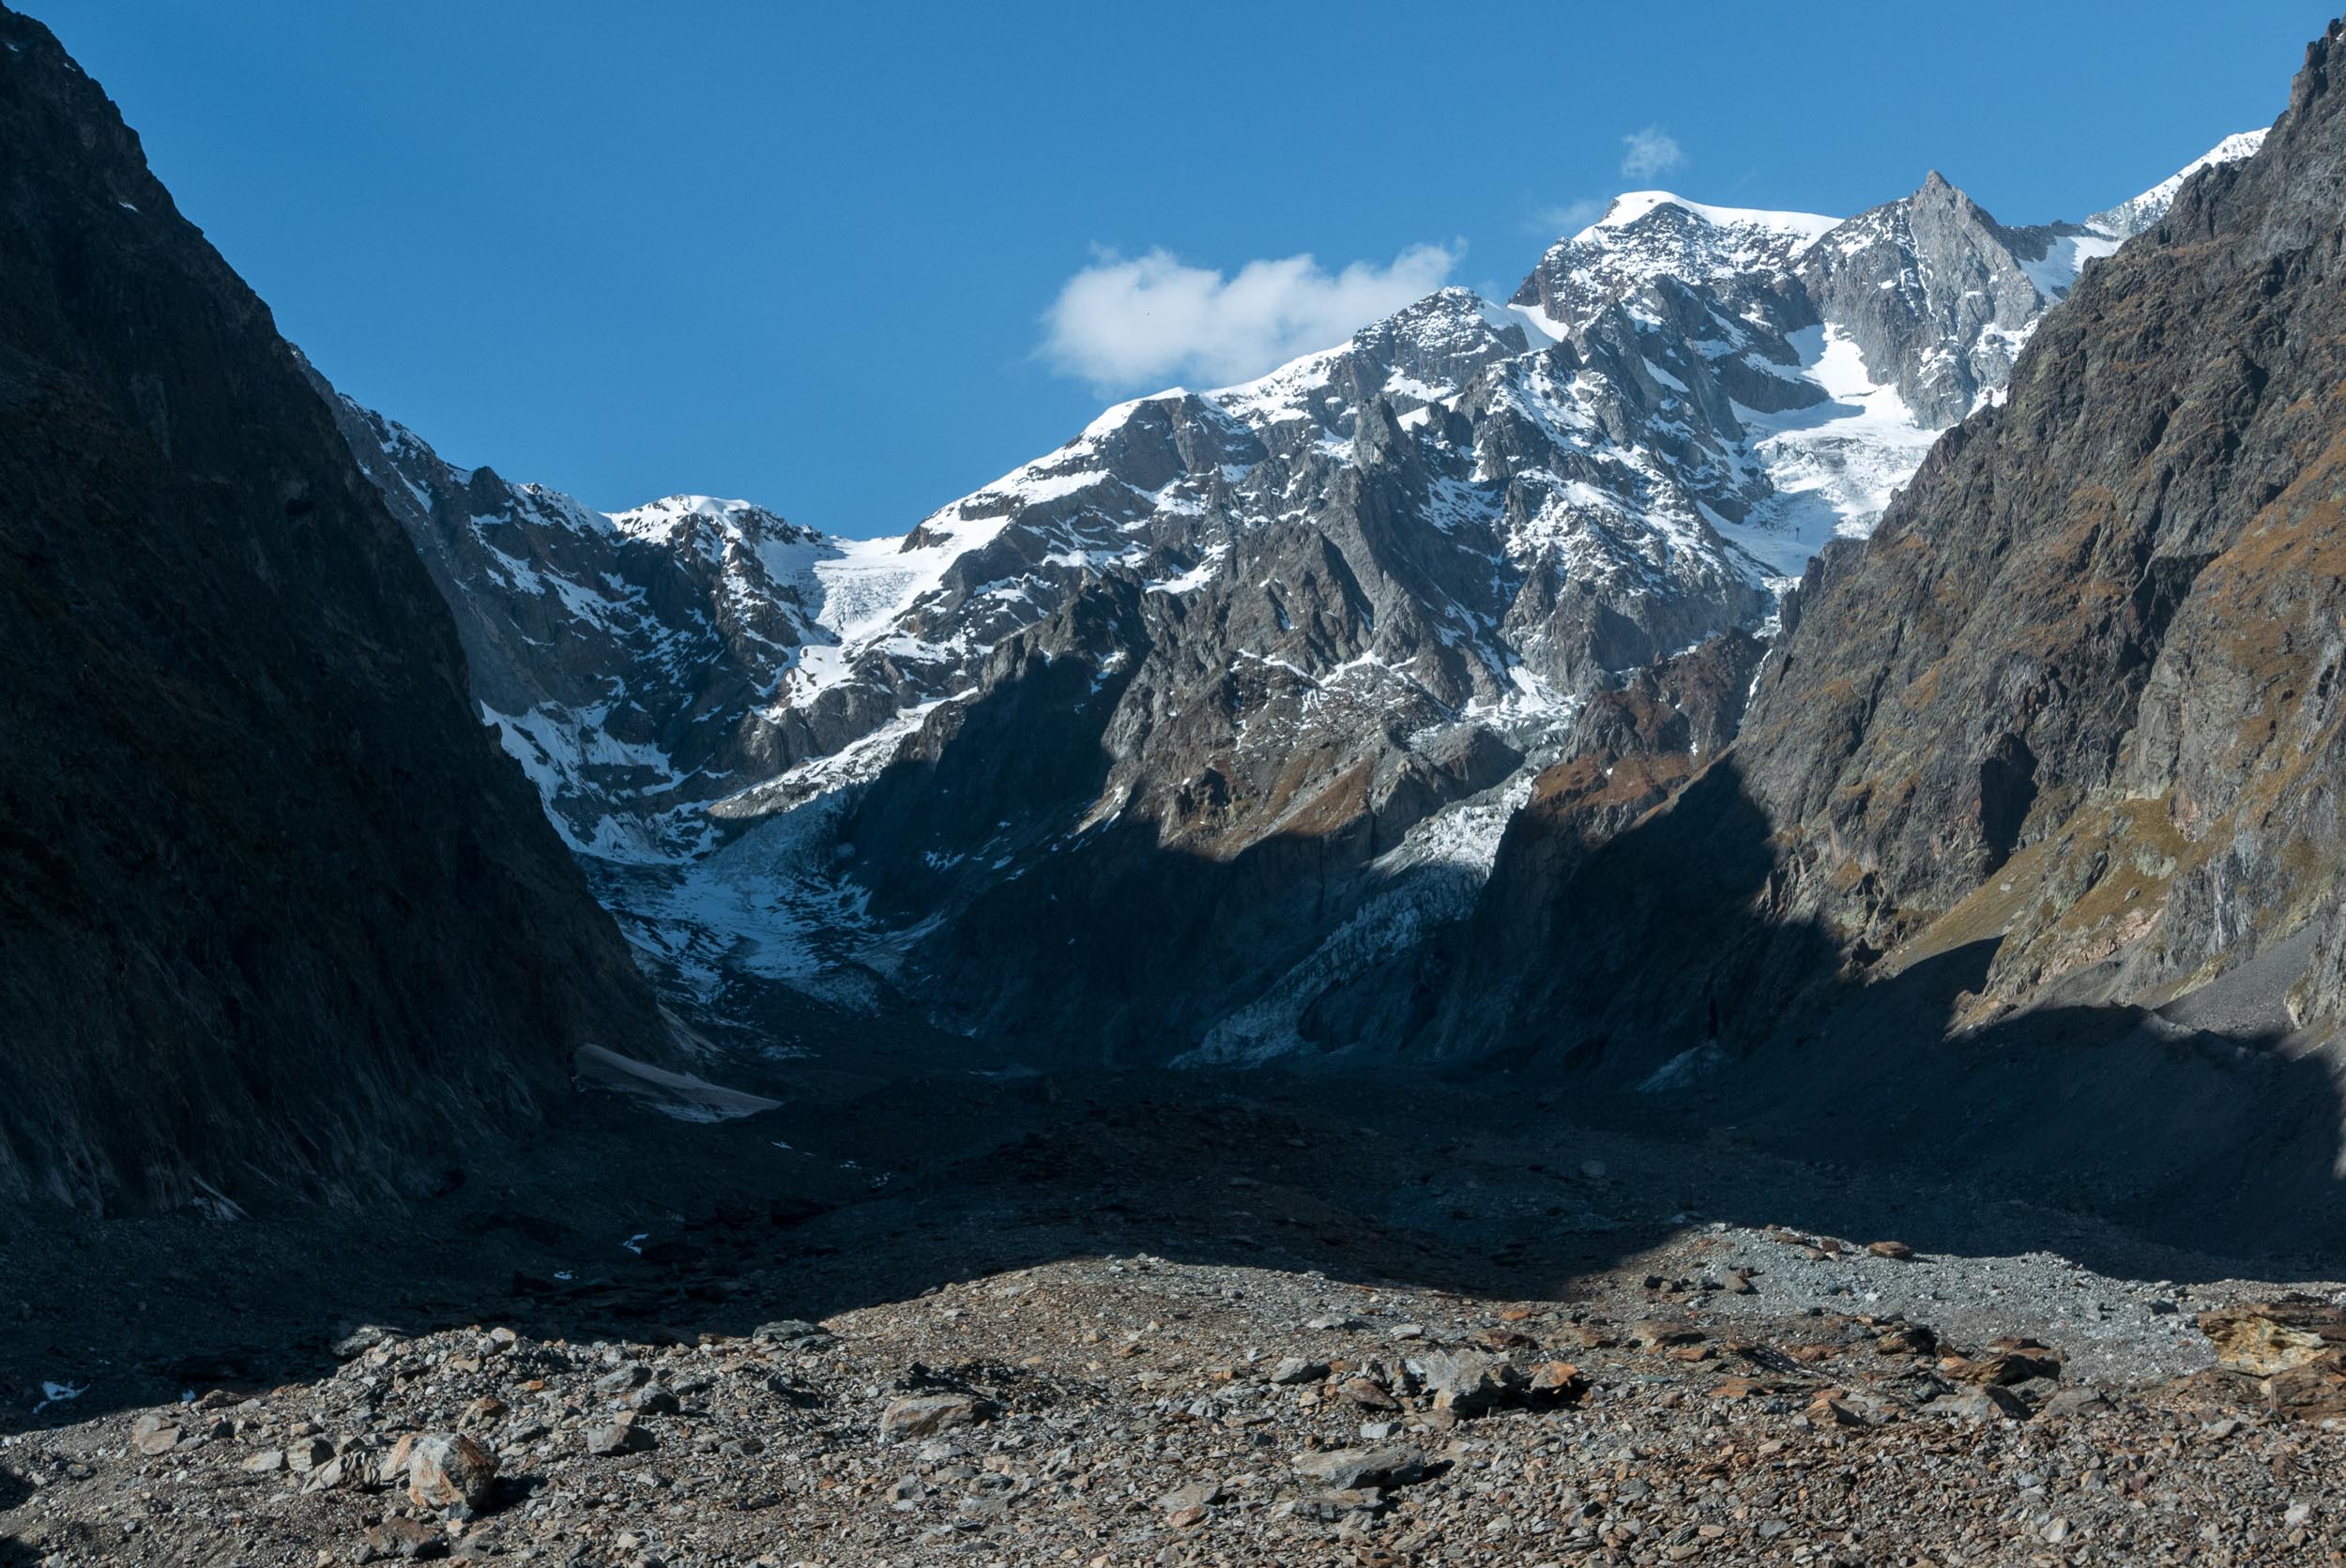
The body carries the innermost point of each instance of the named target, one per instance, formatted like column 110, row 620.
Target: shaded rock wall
column 274, row 914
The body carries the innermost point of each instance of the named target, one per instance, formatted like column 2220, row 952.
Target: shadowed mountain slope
column 274, row 913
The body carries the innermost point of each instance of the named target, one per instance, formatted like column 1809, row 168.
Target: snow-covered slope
column 2130, row 218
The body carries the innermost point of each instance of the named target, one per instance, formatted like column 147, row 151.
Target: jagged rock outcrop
column 1939, row 297
column 274, row 916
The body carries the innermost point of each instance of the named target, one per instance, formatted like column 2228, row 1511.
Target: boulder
column 1467, row 1382
column 618, row 1436
column 154, row 1433
column 453, row 1474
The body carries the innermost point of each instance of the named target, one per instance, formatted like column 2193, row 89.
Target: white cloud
column 1136, row 323
column 1652, row 151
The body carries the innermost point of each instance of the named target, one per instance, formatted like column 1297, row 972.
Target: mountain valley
column 1695, row 916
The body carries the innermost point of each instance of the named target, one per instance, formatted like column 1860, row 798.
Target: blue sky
column 806, row 254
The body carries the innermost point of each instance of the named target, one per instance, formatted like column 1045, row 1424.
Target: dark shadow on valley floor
column 1505, row 1165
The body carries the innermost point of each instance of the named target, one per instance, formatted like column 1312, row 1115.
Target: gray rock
column 1466, row 1381
column 654, row 1399
column 607, row 1440
column 1984, row 1402
column 925, row 1415
column 155, row 1433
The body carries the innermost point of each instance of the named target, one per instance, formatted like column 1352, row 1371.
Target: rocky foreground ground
column 943, row 1311
column 1735, row 1395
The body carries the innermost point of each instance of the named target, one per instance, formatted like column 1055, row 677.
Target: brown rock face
column 2267, row 1337
column 2093, row 654
column 268, row 897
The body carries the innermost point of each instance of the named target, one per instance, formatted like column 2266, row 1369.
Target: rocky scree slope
column 2060, row 744
column 1261, row 669
column 274, row 914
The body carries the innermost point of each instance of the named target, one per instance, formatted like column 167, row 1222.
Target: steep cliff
column 275, row 915
column 2070, row 725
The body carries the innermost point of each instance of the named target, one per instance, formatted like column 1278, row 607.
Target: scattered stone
column 1347, row 1469
column 401, row 1539
column 618, row 1436
column 925, row 1415
column 1898, row 1252
column 155, row 1433
column 1738, row 1458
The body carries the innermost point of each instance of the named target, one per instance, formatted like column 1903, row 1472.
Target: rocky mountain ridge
column 1326, row 623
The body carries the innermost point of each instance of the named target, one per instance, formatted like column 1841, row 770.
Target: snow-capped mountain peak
column 1794, row 229
column 665, row 518
column 1649, row 235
